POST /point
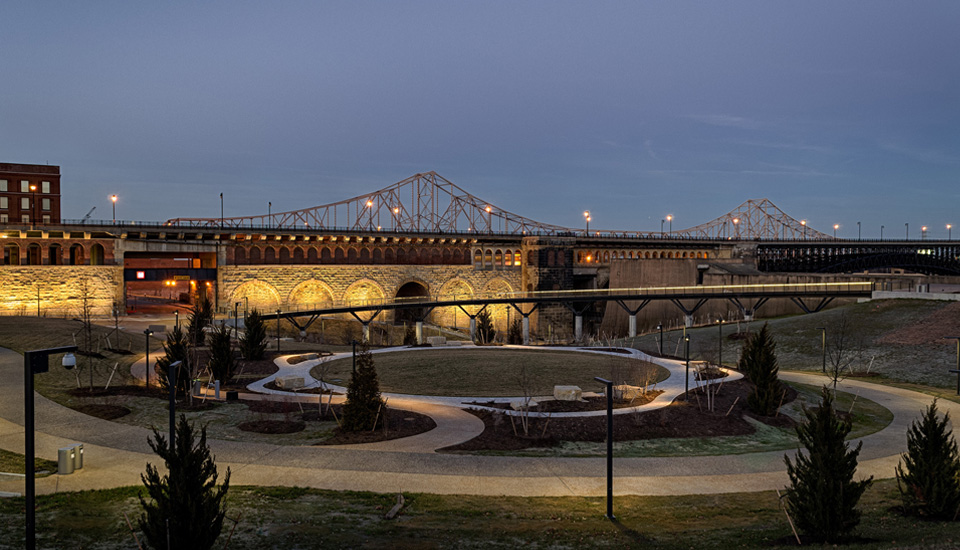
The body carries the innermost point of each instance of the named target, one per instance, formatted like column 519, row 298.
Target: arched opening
column 284, row 255
column 55, row 254
column 76, row 254
column 411, row 290
column 488, row 260
column 516, row 258
column 377, row 256
column 401, row 256
column 96, row 254
column 436, row 257
column 508, row 258
column 33, row 254
column 11, row 254
column 312, row 255
column 365, row 255
column 351, row 255
column 338, row 256
column 325, row 256
column 498, row 258
column 389, row 256
column 298, row 255
column 477, row 259
column 255, row 255
column 458, row 257
column 239, row 255
column 447, row 257
column 269, row 255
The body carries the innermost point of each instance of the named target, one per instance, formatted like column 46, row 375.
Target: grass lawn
column 13, row 463
column 309, row 518
column 494, row 372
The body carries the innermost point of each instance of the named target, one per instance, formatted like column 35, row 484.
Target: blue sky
column 838, row 112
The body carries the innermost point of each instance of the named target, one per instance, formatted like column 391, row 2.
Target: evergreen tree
column 254, row 340
column 823, row 497
column 201, row 315
column 184, row 506
column 221, row 362
column 485, row 331
column 515, row 334
column 363, row 395
column 929, row 476
column 410, row 336
column 175, row 349
column 759, row 363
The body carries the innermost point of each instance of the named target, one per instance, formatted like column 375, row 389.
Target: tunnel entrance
column 408, row 291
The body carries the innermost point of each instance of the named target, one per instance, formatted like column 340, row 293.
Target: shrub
column 515, row 334
column 363, row 409
column 759, row 363
column 485, row 331
column 254, row 340
column 929, row 476
column 221, row 353
column 822, row 496
column 175, row 349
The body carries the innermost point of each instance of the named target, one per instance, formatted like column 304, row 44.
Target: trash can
column 78, row 456
column 65, row 460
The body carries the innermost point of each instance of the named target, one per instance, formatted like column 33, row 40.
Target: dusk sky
column 838, row 112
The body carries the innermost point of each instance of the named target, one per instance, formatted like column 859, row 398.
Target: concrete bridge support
column 688, row 320
column 526, row 330
column 473, row 328
column 420, row 332
column 632, row 330
column 577, row 328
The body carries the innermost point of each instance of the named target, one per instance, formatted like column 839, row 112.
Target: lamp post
column 370, row 214
column 269, row 214
column 949, row 232
column 736, row 228
column 146, row 367
column 278, row 331
column 686, row 379
column 609, row 391
column 354, row 343
column 661, row 228
column 823, row 347
column 923, row 233
column 176, row 318
column 804, row 224
column 35, row 362
column 957, row 370
column 172, row 384
column 881, row 232
column 660, row 328
column 835, row 227
column 670, row 222
column 236, row 313
column 720, row 341
column 221, row 211
column 858, row 231
column 489, row 219
column 33, row 207
column 586, row 216
column 907, row 226
column 113, row 199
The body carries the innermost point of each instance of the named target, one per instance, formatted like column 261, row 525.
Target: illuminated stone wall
column 269, row 288
column 62, row 289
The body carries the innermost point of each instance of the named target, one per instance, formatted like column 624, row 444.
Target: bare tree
column 85, row 316
column 843, row 350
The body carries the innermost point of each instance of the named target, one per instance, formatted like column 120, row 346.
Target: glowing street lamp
column 586, row 216
column 949, row 231
column 835, row 227
column 923, row 232
column 670, row 219
column 804, row 224
column 370, row 215
column 736, row 228
column 113, row 199
column 33, row 211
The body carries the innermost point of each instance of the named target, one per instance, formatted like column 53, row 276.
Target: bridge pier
column 366, row 332
column 473, row 328
column 526, row 330
column 632, row 324
column 577, row 328
column 688, row 320
column 420, row 332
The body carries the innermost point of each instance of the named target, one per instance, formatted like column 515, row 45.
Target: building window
column 3, row 203
column 24, row 203
column 25, row 218
column 4, row 218
column 46, row 218
column 24, row 186
column 45, row 187
column 3, row 186
column 45, row 204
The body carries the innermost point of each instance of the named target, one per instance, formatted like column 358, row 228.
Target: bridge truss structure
column 429, row 203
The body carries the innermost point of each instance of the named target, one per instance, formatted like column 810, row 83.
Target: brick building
column 29, row 194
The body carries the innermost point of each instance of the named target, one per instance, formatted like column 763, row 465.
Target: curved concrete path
column 115, row 455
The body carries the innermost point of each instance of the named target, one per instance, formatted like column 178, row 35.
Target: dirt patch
column 106, row 412
column 272, row 385
column 598, row 403
column 942, row 323
column 399, row 424
column 681, row 419
column 272, row 426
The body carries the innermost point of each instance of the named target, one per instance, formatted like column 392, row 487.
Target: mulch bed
column 398, row 424
column 106, row 412
column 598, row 403
column 681, row 419
column 314, row 390
column 136, row 391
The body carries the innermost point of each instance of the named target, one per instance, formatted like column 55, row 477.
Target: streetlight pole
column 661, row 228
column 858, row 231
column 269, row 214
column 823, row 347
column 35, row 362
column 835, row 227
column 957, row 370
column 236, row 313
column 720, row 341
column 660, row 328
column 686, row 379
column 586, row 216
column 609, row 391
column 113, row 199
column 949, row 232
column 172, row 383
column 670, row 220
column 907, row 226
column 923, row 233
column 33, row 207
column 804, row 224
column 278, row 331
column 881, row 232
column 146, row 367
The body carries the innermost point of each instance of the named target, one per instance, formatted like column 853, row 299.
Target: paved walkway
column 115, row 455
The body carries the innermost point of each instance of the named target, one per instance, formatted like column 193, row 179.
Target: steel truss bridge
column 810, row 297
column 927, row 257
column 429, row 203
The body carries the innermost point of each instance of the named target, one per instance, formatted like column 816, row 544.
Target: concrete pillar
column 578, row 328
column 473, row 329
column 366, row 332
column 632, row 330
column 688, row 321
column 526, row 330
column 419, row 332
column 748, row 315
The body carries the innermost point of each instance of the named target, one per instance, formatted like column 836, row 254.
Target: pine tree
column 515, row 334
column 254, row 340
column 201, row 315
column 175, row 349
column 410, row 336
column 759, row 363
column 929, row 476
column 221, row 362
column 185, row 505
column 823, row 497
column 485, row 331
column 360, row 412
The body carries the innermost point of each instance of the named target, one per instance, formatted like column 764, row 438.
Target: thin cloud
column 727, row 121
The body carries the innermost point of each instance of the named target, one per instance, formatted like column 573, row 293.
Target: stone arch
column 338, row 255
column 551, row 258
column 11, row 254
column 436, row 257
column 34, row 254
column 364, row 291
column 312, row 257
column 606, row 256
column 447, row 257
column 401, row 255
column 255, row 255
column 269, row 255
column 498, row 258
column 452, row 316
column 297, row 255
column 517, row 257
column 284, row 255
column 313, row 293
column 365, row 255
column 76, row 254
column 55, row 254
column 377, row 256
column 500, row 314
column 389, row 256
column 96, row 254
column 326, row 256
column 260, row 295
column 351, row 255
column 457, row 257
column 239, row 255
column 488, row 259
column 412, row 288
column 478, row 258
